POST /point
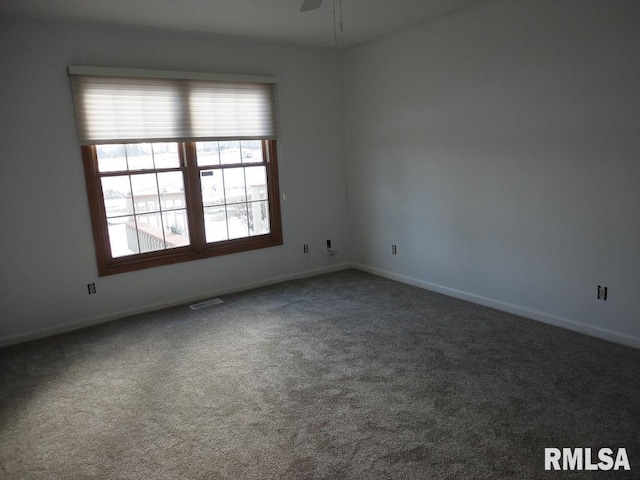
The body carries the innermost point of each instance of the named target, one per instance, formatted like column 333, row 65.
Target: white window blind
column 112, row 107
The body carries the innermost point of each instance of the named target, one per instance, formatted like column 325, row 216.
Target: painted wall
column 46, row 244
column 499, row 149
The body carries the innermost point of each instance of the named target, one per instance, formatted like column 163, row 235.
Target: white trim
column 601, row 333
column 580, row 327
column 47, row 332
column 172, row 74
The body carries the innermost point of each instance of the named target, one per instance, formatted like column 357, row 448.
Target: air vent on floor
column 208, row 303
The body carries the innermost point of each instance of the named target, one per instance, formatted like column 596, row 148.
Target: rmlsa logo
column 581, row 459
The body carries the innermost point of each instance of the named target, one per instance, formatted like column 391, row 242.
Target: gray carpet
column 345, row 375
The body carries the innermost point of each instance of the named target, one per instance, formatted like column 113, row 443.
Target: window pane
column 215, row 224
column 237, row 220
column 145, row 193
column 230, row 152
column 158, row 201
column 256, row 178
column 139, row 156
column 207, row 153
column 242, row 219
column 171, row 187
column 111, row 158
column 165, row 155
column 150, row 233
column 251, row 151
column 123, row 238
column 117, row 196
column 234, row 190
column 176, row 228
column 258, row 218
column 212, row 187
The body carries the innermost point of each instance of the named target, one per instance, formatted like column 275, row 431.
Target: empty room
column 253, row 239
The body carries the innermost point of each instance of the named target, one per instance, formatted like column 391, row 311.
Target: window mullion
column 195, row 212
column 273, row 188
column 135, row 216
column 224, row 199
column 162, row 226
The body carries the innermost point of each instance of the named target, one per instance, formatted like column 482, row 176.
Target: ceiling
column 270, row 20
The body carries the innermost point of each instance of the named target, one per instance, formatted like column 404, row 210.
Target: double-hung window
column 178, row 166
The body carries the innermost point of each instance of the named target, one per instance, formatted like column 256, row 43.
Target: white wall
column 46, row 244
column 499, row 148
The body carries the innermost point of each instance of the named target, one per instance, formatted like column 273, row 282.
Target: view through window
column 234, row 194
column 144, row 197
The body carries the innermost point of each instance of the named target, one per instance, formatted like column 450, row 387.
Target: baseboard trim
column 49, row 332
column 598, row 332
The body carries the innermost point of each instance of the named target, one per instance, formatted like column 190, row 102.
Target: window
column 176, row 170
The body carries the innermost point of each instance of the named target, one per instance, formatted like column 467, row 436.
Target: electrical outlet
column 394, row 250
column 305, row 248
column 91, row 287
column 602, row 293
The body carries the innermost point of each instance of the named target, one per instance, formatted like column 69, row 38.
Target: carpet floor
column 340, row 376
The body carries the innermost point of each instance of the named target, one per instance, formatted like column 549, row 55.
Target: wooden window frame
column 198, row 248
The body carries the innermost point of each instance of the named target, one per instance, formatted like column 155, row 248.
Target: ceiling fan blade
column 310, row 5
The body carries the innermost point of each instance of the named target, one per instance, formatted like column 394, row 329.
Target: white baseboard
column 48, row 332
column 598, row 332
